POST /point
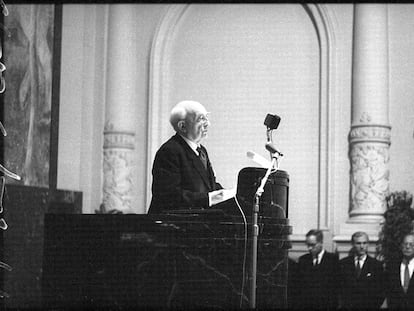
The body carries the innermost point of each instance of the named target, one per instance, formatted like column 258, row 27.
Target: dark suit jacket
column 179, row 178
column 365, row 292
column 317, row 286
column 292, row 282
column 396, row 298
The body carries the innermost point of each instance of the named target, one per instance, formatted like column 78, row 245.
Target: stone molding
column 119, row 139
column 370, row 133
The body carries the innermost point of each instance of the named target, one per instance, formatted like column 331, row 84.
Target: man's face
column 197, row 124
column 314, row 247
column 407, row 247
column 360, row 245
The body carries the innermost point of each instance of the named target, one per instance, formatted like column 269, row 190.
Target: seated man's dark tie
column 406, row 276
column 358, row 268
column 203, row 157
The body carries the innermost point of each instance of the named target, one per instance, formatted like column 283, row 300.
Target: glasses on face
column 408, row 244
column 202, row 119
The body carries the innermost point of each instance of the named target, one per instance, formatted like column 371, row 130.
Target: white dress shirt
column 361, row 260
column 410, row 269
column 319, row 257
column 192, row 144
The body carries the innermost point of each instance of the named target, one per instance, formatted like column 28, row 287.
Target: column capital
column 362, row 133
column 119, row 139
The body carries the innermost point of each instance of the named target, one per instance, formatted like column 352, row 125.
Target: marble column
column 369, row 138
column 119, row 131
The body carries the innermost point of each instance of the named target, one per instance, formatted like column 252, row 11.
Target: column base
column 371, row 228
column 365, row 218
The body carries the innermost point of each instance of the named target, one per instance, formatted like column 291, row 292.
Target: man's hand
column 221, row 195
column 216, row 197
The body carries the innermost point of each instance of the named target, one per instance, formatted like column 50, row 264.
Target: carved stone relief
column 369, row 177
column 117, row 169
column 369, row 156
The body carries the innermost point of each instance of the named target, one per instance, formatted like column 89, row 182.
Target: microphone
column 272, row 121
column 272, row 149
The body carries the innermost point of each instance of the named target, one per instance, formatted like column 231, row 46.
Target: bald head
column 184, row 110
column 189, row 118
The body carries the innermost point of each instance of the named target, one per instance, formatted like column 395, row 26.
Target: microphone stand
column 269, row 136
column 258, row 194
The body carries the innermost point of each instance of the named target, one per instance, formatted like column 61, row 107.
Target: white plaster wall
column 242, row 62
column 70, row 132
column 238, row 60
column 401, row 37
column 93, row 103
column 82, row 100
column 342, row 18
column 148, row 18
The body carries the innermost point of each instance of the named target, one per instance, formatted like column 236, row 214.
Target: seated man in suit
column 400, row 284
column 362, row 277
column 182, row 173
column 317, row 276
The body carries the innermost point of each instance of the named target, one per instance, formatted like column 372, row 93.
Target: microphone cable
column 244, row 251
column 246, row 239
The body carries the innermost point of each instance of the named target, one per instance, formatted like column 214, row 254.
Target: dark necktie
column 203, row 157
column 406, row 276
column 358, row 268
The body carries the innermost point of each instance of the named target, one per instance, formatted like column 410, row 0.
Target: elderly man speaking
column 183, row 177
